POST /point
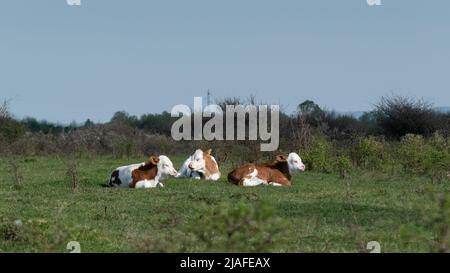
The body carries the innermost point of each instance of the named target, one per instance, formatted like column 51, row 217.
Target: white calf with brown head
column 200, row 165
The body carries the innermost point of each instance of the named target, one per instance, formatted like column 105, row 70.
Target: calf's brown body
column 145, row 172
column 211, row 166
column 274, row 172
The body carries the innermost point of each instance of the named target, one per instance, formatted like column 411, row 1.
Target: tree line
column 392, row 117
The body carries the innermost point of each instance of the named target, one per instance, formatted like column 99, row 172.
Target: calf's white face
column 165, row 167
column 197, row 163
column 295, row 163
column 200, row 165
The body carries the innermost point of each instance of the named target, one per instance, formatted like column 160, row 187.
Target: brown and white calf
column 276, row 173
column 144, row 175
column 200, row 165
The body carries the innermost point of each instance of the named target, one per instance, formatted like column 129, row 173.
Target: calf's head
column 165, row 166
column 199, row 160
column 295, row 163
column 293, row 160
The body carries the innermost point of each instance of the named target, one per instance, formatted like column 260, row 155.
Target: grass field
column 320, row 213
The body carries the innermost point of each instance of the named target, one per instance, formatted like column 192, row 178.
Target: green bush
column 240, row 228
column 420, row 156
column 37, row 235
column 319, row 155
column 437, row 158
column 411, row 151
column 436, row 163
column 371, row 153
column 343, row 165
column 440, row 142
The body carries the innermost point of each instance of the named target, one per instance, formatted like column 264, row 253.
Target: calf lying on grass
column 145, row 175
column 200, row 165
column 276, row 173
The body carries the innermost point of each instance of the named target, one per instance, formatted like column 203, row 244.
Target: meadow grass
column 319, row 213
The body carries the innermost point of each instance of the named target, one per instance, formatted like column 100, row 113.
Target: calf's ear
column 154, row 160
column 208, row 152
column 282, row 158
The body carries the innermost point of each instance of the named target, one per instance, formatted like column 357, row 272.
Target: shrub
column 319, row 155
column 430, row 157
column 437, row 158
column 343, row 166
column 38, row 235
column 240, row 228
column 411, row 153
column 437, row 163
column 439, row 142
column 10, row 232
column 370, row 153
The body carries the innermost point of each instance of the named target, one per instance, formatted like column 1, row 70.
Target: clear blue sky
column 64, row 63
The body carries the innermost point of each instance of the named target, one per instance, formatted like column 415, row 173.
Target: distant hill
column 355, row 114
column 445, row 109
column 358, row 114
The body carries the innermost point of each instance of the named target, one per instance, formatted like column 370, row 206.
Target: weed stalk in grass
column 72, row 173
column 16, row 174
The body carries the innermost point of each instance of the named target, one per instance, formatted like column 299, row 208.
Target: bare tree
column 4, row 110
